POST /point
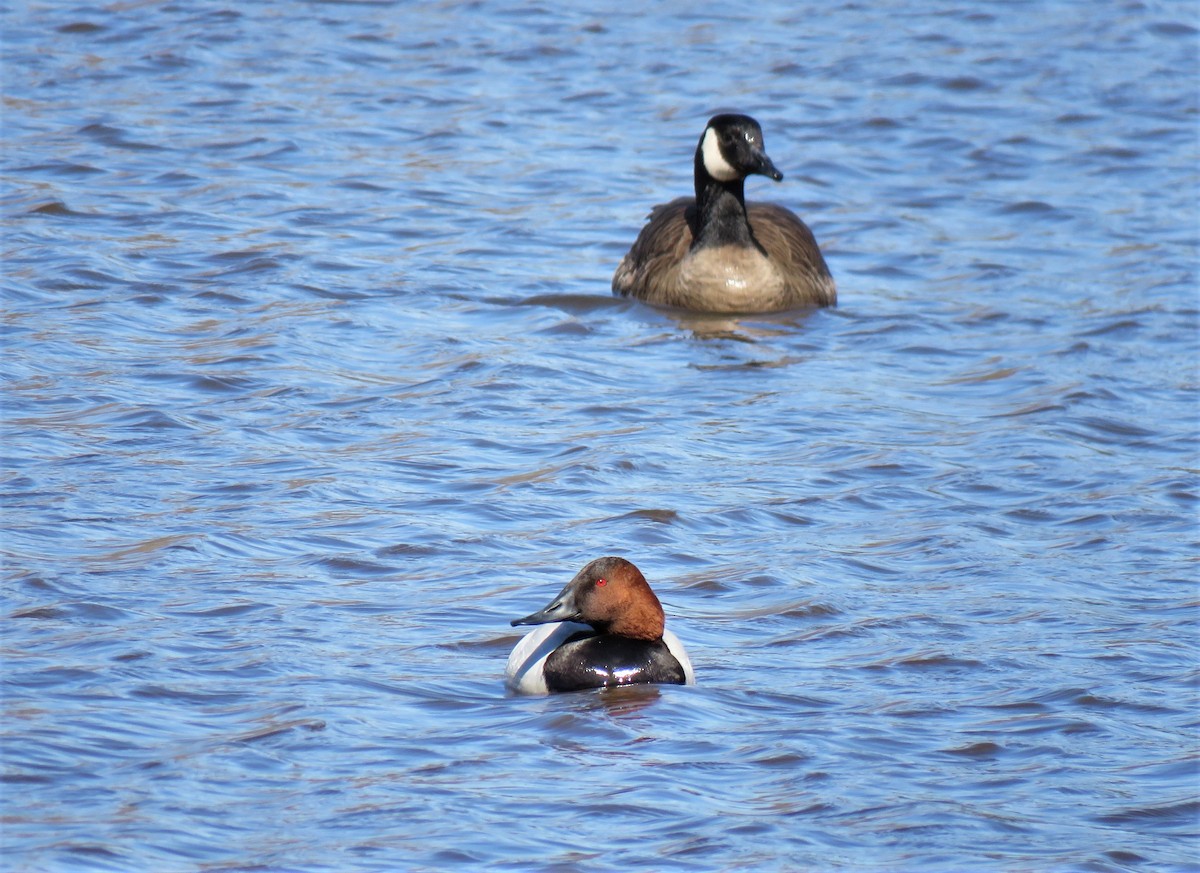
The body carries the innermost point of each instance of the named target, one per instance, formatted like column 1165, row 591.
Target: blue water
column 313, row 380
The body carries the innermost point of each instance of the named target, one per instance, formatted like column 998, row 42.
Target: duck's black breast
column 592, row 660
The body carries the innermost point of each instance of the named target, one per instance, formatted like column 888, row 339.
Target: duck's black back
column 594, row 660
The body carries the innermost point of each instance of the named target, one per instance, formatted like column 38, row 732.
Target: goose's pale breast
column 729, row 279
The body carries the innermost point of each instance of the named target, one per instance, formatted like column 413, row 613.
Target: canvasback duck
column 605, row 628
column 716, row 253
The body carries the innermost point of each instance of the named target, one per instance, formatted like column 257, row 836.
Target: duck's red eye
column 601, row 582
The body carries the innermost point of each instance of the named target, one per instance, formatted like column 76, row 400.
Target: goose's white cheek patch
column 714, row 162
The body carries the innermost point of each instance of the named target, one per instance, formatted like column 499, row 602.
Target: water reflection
column 620, row 703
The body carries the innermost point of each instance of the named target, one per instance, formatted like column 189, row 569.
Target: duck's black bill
column 562, row 608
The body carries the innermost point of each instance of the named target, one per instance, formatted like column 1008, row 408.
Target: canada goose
column 714, row 253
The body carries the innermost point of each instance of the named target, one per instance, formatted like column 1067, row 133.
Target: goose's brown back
column 656, row 269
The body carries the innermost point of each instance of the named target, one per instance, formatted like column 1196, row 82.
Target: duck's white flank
column 525, row 674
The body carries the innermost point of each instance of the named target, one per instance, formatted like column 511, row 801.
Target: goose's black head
column 730, row 149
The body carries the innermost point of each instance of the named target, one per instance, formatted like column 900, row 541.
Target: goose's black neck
column 720, row 218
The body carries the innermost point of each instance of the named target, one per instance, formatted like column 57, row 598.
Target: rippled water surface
column 312, row 381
